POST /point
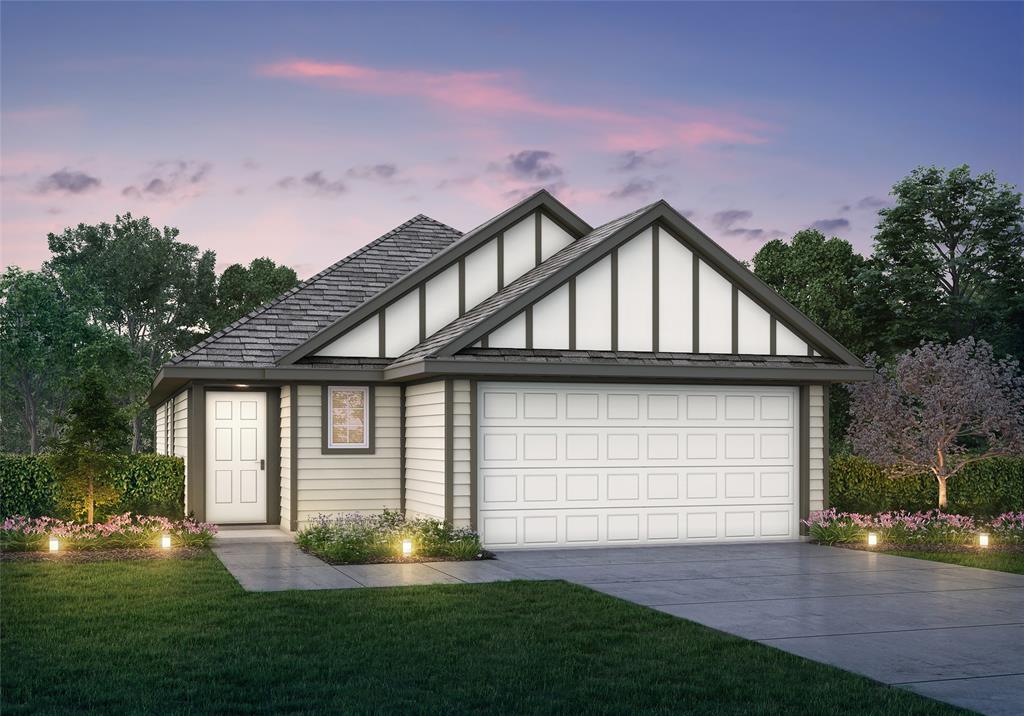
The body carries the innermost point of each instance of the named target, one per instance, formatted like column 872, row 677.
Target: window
column 347, row 419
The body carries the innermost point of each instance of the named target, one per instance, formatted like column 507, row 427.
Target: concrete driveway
column 952, row 633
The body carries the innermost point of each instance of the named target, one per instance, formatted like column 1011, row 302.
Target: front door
column 236, row 457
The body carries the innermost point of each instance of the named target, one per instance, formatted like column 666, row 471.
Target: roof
column 538, row 355
column 261, row 337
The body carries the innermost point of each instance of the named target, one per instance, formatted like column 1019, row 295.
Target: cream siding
column 286, row 457
column 160, row 428
column 336, row 484
column 178, row 416
column 424, row 450
column 461, row 445
column 817, row 448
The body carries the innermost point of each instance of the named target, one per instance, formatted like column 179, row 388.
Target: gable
column 453, row 287
column 651, row 293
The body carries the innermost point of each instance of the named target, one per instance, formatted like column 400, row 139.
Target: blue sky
column 302, row 131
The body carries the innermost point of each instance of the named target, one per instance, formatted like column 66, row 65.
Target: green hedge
column 148, row 484
column 982, row 489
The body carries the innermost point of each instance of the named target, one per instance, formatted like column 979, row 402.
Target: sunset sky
column 302, row 131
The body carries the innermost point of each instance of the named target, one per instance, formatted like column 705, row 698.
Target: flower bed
column 915, row 529
column 127, row 531
column 361, row 539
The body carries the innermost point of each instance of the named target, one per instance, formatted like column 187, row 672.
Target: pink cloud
column 500, row 93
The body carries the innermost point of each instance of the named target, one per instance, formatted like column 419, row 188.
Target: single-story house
column 537, row 379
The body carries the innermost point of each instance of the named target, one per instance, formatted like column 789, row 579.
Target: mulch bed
column 104, row 555
column 403, row 560
column 952, row 548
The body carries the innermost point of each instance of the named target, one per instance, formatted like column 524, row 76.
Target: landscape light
column 54, row 544
column 983, row 540
column 165, row 541
column 406, row 547
column 872, row 539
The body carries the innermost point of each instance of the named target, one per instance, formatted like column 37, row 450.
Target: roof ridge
column 303, row 284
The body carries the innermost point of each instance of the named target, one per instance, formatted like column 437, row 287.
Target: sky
column 303, row 131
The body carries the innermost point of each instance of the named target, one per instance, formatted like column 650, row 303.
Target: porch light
column 983, row 540
column 165, row 542
column 872, row 539
column 406, row 547
column 54, row 544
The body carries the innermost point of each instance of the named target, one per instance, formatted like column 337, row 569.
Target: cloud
column 68, row 181
column 638, row 186
column 501, row 94
column 315, row 182
column 872, row 202
column 827, row 225
column 171, row 180
column 725, row 219
column 520, row 193
column 531, row 164
column 379, row 172
column 632, row 160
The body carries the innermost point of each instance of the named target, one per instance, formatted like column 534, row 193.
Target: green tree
column 949, row 261
column 141, row 283
column 42, row 336
column 241, row 289
column 93, row 436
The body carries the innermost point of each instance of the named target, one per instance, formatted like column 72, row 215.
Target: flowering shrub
column 29, row 534
column 355, row 538
column 931, row 527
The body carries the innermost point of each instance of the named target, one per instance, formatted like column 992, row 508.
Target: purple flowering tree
column 938, row 408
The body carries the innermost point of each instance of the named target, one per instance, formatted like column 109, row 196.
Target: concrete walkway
column 952, row 633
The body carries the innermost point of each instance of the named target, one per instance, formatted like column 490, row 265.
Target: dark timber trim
column 371, row 421
column 572, row 313
column 423, row 311
column 293, row 459
column 462, row 285
column 381, row 336
column 273, row 456
column 500, row 246
column 529, row 327
column 805, row 452
column 772, row 332
column 826, row 391
column 401, row 448
column 196, row 452
column 538, row 251
column 449, row 457
column 695, row 348
column 615, row 298
column 473, row 482
column 735, row 319
column 655, row 288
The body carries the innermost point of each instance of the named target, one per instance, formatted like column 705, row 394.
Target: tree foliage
column 938, row 408
column 241, row 289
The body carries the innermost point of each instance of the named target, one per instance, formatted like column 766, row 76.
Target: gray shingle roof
column 259, row 338
column 517, row 288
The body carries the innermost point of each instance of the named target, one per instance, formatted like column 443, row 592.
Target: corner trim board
column 449, row 457
column 805, row 451
column 293, row 459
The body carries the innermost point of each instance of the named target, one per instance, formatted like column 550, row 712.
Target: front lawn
column 999, row 561
column 180, row 635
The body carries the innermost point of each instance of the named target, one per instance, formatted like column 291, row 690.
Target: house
column 540, row 380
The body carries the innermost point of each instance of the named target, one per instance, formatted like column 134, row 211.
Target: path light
column 54, row 544
column 872, row 539
column 406, row 547
column 983, row 540
column 165, row 542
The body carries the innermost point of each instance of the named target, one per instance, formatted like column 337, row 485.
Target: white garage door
column 579, row 465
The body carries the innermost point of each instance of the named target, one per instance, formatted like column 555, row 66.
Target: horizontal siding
column 178, row 416
column 461, row 436
column 286, row 457
column 160, row 428
column 424, row 450
column 336, row 484
column 816, row 457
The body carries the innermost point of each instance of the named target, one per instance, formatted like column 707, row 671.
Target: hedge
column 148, row 484
column 982, row 489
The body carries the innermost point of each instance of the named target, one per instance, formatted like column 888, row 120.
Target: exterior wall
column 160, row 427
column 817, row 448
column 425, row 450
column 178, row 438
column 462, row 417
column 336, row 484
column 286, row 457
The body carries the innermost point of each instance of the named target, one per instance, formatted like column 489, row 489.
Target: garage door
column 583, row 465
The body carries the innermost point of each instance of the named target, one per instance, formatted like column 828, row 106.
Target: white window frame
column 366, row 446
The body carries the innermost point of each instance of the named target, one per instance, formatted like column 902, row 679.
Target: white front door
column 236, row 452
column 582, row 465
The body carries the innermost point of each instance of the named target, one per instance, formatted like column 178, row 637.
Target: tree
column 142, row 284
column 96, row 432
column 241, row 289
column 938, row 408
column 41, row 338
column 949, row 260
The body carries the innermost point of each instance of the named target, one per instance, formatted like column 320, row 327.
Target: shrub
column 902, row 528
column 29, row 534
column 144, row 483
column 356, row 538
column 982, row 489
column 1008, row 528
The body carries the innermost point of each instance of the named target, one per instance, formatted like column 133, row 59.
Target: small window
column 347, row 419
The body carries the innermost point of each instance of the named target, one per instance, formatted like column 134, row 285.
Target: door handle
column 263, row 464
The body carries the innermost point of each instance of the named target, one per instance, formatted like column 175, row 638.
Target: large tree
column 938, row 408
column 240, row 289
column 140, row 282
column 949, row 260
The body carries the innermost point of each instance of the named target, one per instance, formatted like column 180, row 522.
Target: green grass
column 181, row 636
column 999, row 561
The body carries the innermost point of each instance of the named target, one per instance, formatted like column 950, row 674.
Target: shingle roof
column 259, row 338
column 536, row 355
column 517, row 288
